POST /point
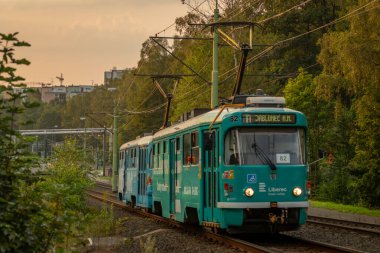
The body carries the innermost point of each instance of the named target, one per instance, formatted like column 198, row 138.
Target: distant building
column 50, row 93
column 47, row 94
column 113, row 74
column 15, row 90
column 60, row 94
column 54, row 93
column 74, row 90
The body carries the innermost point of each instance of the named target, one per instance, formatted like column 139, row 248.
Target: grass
column 345, row 208
column 99, row 175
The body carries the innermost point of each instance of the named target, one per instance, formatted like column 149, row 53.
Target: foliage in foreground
column 63, row 195
column 37, row 213
column 18, row 213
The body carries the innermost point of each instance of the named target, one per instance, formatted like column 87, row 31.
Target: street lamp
column 115, row 151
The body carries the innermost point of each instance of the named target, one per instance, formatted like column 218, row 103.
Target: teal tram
column 134, row 185
column 240, row 168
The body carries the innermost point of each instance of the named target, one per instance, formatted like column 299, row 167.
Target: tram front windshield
column 264, row 146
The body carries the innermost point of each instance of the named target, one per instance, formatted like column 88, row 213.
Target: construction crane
column 60, row 78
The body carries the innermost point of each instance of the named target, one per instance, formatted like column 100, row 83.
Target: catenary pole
column 115, row 152
column 215, row 71
column 104, row 151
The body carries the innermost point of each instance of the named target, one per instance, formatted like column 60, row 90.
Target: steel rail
column 323, row 247
column 229, row 241
column 344, row 224
column 232, row 242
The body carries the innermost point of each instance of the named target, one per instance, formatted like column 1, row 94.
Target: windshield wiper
column 263, row 157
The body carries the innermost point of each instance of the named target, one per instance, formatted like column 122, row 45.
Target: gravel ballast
column 138, row 234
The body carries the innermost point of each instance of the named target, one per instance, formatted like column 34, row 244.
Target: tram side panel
column 131, row 182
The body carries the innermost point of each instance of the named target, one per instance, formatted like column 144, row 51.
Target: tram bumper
column 261, row 217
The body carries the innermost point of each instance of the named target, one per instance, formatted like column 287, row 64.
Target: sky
column 83, row 38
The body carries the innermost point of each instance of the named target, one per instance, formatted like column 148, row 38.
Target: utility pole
column 115, row 152
column 104, row 151
column 215, row 71
column 115, row 149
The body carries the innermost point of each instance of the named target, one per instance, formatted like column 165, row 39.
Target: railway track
column 245, row 243
column 285, row 243
column 348, row 225
column 104, row 185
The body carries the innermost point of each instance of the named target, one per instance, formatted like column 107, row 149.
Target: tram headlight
column 249, row 192
column 297, row 191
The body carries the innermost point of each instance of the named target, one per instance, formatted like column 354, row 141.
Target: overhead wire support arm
column 158, row 76
column 245, row 48
column 229, row 40
column 167, row 96
column 181, row 38
column 178, row 59
column 206, row 39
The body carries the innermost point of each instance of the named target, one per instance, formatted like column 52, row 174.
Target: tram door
column 172, row 173
column 141, row 172
column 211, row 179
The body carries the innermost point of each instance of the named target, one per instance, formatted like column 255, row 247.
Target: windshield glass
column 253, row 146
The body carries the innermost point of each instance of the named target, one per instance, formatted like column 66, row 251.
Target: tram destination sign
column 269, row 118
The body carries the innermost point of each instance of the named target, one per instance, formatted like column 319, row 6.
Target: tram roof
column 208, row 117
column 143, row 141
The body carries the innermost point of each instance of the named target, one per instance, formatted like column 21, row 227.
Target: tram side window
column 191, row 148
column 151, row 157
column 194, row 148
column 163, row 154
column 131, row 158
column 155, row 160
column 134, row 157
column 177, row 145
column 158, row 155
column 186, row 149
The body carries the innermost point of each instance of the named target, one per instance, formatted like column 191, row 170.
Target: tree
column 63, row 192
column 17, row 214
column 350, row 76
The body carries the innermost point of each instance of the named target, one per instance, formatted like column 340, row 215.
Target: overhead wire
column 139, row 67
column 352, row 13
column 150, row 110
column 239, row 11
column 294, row 74
column 143, row 102
column 284, row 12
column 196, row 8
column 277, row 15
column 202, row 86
column 252, row 58
column 270, row 48
column 264, row 52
